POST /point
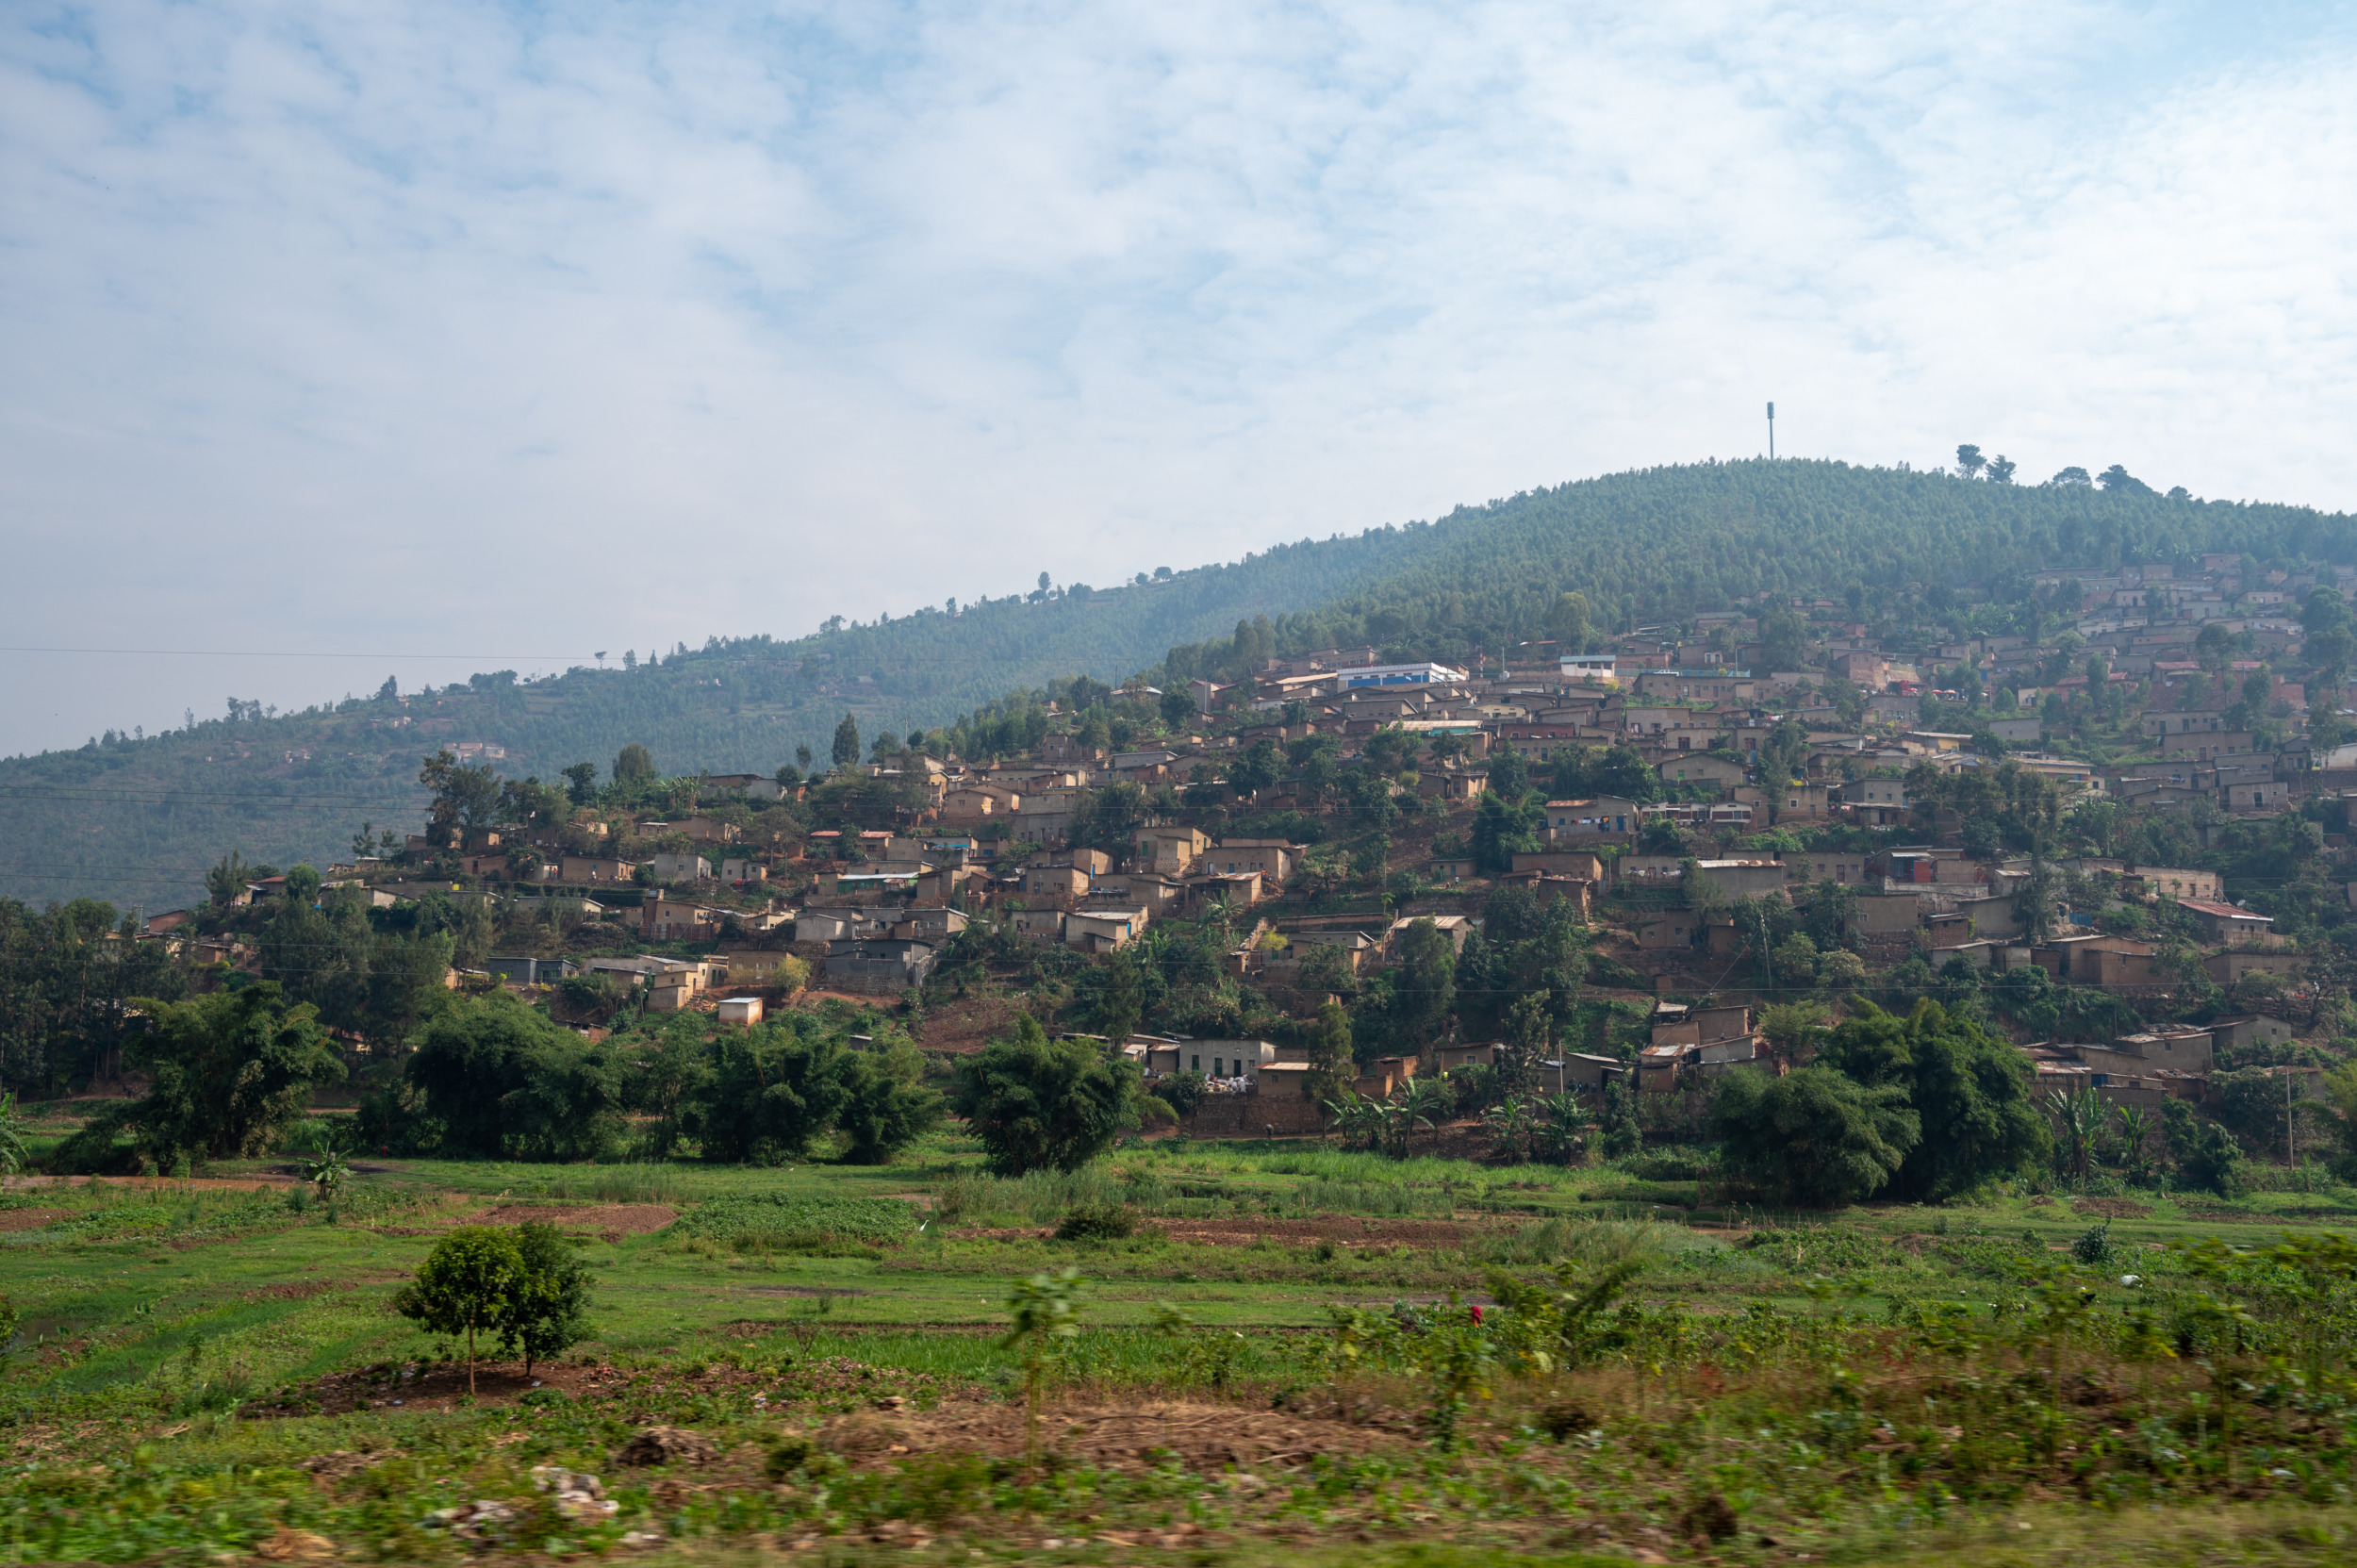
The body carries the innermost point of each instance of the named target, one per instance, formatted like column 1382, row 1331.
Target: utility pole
column 1771, row 432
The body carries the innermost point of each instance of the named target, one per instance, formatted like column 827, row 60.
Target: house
column 677, row 867
column 929, row 923
column 1226, row 1059
column 1674, row 930
column 2226, row 923
column 666, row 919
column 2169, row 882
column 1583, row 864
column 1604, row 814
column 740, row 1010
column 492, row 863
column 1455, row 927
column 1450, row 1057
column 1054, row 882
column 2015, row 730
column 703, row 830
column 1103, row 930
column 1040, row 925
column 1274, row 858
column 1170, row 851
column 1548, row 888
column 1702, row 769
column 831, row 925
column 879, row 964
column 742, row 869
column 529, row 971
column 578, row 869
column 1802, row 800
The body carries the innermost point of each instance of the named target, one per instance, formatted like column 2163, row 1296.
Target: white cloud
column 363, row 327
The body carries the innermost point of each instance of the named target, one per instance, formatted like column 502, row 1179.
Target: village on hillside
column 2118, row 831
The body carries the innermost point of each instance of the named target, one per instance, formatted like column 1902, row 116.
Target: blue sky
column 532, row 331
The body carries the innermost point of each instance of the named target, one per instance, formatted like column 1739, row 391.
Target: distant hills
column 136, row 822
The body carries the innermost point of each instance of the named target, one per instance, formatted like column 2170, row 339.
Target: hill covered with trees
column 137, row 821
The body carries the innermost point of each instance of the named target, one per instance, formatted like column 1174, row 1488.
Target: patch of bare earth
column 2113, row 1207
column 1206, row 1438
column 611, row 1221
column 30, row 1219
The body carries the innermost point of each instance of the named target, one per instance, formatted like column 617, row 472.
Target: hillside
column 136, row 822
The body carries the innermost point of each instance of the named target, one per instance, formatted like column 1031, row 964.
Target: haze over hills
column 136, row 821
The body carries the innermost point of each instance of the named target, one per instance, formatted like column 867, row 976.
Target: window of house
column 1194, row 1063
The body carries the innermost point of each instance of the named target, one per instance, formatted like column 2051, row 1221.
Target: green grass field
column 1883, row 1384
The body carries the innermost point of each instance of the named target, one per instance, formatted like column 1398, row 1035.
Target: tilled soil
column 1206, row 1438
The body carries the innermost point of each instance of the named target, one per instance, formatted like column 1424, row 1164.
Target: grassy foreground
column 1280, row 1361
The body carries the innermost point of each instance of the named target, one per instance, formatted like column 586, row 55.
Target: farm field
column 1278, row 1359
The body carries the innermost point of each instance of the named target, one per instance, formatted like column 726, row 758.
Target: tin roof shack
column 1658, row 1067
column 1580, row 1070
column 1584, row 864
column 879, row 965
column 529, row 971
column 2225, row 923
column 1450, row 1057
column 1576, row 891
column 2186, row 1051
column 2228, row 967
column 1101, row 930
column 740, row 1010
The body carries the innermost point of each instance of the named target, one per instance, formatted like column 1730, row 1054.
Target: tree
column 769, row 1095
column 1042, row 1311
column 635, row 765
column 1528, row 1037
column 2001, row 470
column 581, row 781
column 1813, row 1137
column 1037, row 1105
column 1970, row 462
column 1423, row 983
column 1177, row 708
column 1970, row 1089
column 546, row 1312
column 1783, row 639
column 502, row 1078
column 846, row 749
column 2213, row 647
column 1256, row 769
column 2206, row 1155
column 228, row 1073
column 2119, row 480
column 1332, row 1066
column 465, row 1286
column 888, row 1106
column 1121, row 1002
column 2073, row 476
column 1501, row 828
column 463, row 797
column 1567, row 620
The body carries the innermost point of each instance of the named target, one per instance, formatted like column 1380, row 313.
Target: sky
column 346, row 339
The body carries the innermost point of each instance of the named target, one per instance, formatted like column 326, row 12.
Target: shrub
column 1181, row 1091
column 1098, row 1222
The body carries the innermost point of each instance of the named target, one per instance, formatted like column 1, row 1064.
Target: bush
column 1181, row 1091
column 500, row 1079
column 1098, row 1222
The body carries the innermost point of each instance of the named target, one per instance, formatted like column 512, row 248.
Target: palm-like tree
column 1562, row 1128
column 1424, row 1103
column 2079, row 1120
column 1509, row 1126
column 2137, row 1127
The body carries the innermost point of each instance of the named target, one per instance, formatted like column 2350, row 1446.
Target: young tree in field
column 1042, row 1104
column 546, row 1313
column 466, row 1286
column 1042, row 1309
